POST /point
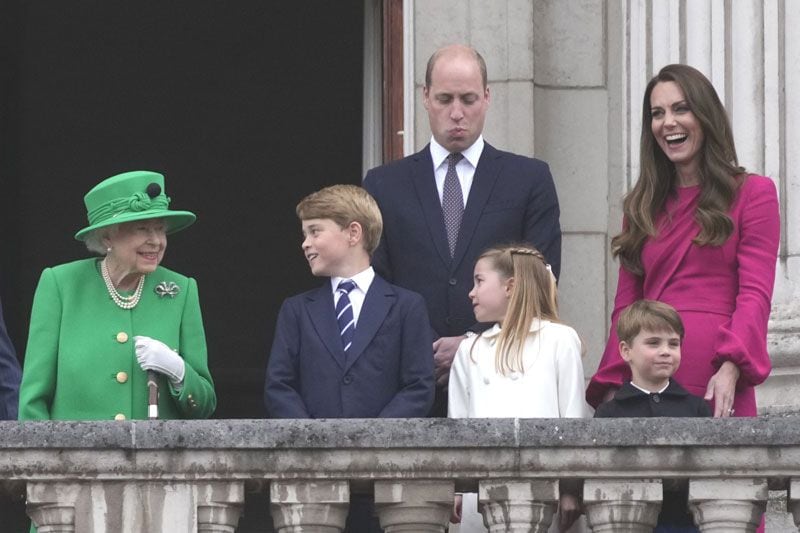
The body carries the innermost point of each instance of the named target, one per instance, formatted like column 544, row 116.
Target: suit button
column 452, row 281
column 448, row 321
column 656, row 398
column 119, row 416
column 347, row 380
column 122, row 337
column 122, row 377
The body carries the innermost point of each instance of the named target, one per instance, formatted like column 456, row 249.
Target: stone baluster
column 518, row 506
column 728, row 505
column 416, row 505
column 304, row 506
column 51, row 506
column 133, row 506
column 219, row 506
column 617, row 505
column 794, row 500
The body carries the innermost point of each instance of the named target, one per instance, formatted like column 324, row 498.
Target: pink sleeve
column 743, row 339
column 612, row 370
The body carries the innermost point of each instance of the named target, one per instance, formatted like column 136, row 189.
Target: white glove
column 155, row 355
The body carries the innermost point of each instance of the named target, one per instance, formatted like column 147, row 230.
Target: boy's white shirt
column 362, row 280
column 552, row 385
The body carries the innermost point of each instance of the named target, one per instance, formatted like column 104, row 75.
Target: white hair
column 94, row 240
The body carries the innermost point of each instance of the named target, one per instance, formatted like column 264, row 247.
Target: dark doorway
column 244, row 106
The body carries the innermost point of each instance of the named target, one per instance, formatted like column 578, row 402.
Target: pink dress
column 722, row 293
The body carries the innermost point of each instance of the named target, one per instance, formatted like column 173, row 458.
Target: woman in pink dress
column 700, row 234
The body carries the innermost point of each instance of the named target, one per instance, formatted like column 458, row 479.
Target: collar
column 362, row 280
column 629, row 390
column 472, row 154
column 649, row 391
column 536, row 325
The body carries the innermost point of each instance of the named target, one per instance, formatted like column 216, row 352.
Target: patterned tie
column 452, row 202
column 344, row 313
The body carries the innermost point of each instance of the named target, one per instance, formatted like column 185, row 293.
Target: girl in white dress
column 528, row 365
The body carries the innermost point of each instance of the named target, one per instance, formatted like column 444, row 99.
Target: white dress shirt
column 362, row 280
column 464, row 168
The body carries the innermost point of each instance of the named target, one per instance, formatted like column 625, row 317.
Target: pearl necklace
column 125, row 302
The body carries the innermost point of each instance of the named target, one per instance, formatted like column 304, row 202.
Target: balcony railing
column 186, row 476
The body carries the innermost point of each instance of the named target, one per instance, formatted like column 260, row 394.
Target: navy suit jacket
column 388, row 371
column 512, row 199
column 10, row 375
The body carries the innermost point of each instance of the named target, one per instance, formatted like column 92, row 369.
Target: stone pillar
column 728, row 505
column 778, row 393
column 219, row 505
column 133, row 506
column 418, row 505
column 309, row 506
column 51, row 506
column 794, row 500
column 617, row 505
column 518, row 506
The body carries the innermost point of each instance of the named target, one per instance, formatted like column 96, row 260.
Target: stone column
column 309, row 506
column 132, row 506
column 419, row 505
column 794, row 500
column 728, row 505
column 219, row 505
column 518, row 506
column 778, row 393
column 617, row 505
column 51, row 506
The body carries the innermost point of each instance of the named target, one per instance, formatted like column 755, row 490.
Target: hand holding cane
column 156, row 357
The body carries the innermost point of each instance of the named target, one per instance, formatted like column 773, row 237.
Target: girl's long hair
column 718, row 169
column 533, row 296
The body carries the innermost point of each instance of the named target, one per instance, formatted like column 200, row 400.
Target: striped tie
column 344, row 313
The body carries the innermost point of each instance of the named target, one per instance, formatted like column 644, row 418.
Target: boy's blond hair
column 650, row 315
column 345, row 204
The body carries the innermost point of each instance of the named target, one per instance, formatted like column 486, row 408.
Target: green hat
column 136, row 195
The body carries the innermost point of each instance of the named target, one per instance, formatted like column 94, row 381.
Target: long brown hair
column 718, row 170
column 533, row 296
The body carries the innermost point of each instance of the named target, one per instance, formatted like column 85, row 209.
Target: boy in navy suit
column 650, row 335
column 356, row 347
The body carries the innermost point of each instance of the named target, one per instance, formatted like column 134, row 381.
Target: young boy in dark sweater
column 650, row 336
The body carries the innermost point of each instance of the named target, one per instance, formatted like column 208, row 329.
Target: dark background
column 244, row 106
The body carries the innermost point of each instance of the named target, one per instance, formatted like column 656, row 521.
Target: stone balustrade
column 186, row 476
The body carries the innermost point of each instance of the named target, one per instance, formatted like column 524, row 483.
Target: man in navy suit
column 505, row 198
column 10, row 375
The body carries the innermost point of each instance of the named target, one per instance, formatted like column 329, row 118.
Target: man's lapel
column 483, row 183
column 424, row 181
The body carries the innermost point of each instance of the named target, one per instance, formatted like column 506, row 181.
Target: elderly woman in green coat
column 99, row 325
